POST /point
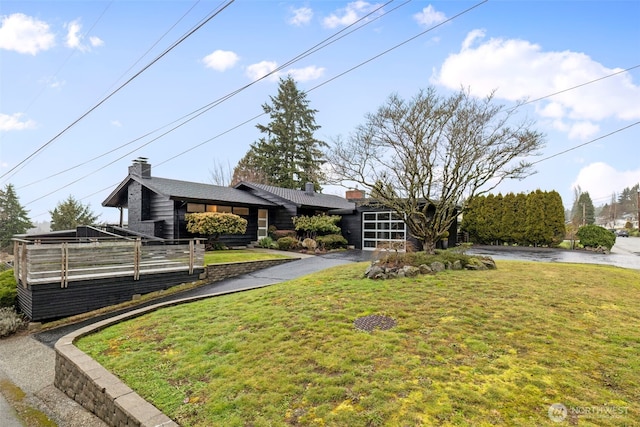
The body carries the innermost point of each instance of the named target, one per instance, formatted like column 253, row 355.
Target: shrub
column 10, row 321
column 287, row 243
column 278, row 234
column 595, row 236
column 215, row 223
column 317, row 224
column 331, row 241
column 310, row 244
column 8, row 289
column 267, row 243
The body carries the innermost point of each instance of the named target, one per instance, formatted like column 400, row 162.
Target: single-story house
column 156, row 207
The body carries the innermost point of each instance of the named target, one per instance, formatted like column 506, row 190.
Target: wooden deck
column 63, row 279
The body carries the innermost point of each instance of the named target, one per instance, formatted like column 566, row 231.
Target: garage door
column 383, row 229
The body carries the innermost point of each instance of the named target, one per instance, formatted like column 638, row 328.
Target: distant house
column 156, row 207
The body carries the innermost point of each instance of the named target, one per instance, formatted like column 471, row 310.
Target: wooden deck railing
column 36, row 263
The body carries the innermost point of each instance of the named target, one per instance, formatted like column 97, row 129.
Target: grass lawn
column 469, row 349
column 237, row 255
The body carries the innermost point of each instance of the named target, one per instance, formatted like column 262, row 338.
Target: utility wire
column 575, row 147
column 200, row 111
column 39, row 94
column 217, row 11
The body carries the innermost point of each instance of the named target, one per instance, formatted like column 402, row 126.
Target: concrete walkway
column 28, row 360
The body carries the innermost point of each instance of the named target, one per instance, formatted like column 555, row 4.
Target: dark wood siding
column 351, row 226
column 162, row 210
column 50, row 301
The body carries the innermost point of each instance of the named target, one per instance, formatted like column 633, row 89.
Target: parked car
column 622, row 233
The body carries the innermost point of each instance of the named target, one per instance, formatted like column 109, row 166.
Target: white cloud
column 301, row 16
column 306, row 74
column 24, row 34
column 429, row 16
column 116, row 123
column 96, row 41
column 75, row 39
column 220, row 60
column 259, row 70
column 73, row 35
column 601, row 179
column 519, row 69
column 15, row 122
column 350, row 14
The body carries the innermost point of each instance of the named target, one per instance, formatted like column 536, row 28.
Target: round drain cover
column 369, row 323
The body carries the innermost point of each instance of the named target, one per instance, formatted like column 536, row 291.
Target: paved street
column 625, row 253
column 627, row 246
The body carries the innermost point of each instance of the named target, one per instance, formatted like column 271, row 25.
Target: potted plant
column 444, row 239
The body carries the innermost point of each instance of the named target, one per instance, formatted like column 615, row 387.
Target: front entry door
column 263, row 223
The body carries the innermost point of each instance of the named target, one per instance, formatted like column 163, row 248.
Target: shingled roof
column 299, row 197
column 185, row 190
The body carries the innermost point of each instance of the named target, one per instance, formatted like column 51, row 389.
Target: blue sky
column 60, row 58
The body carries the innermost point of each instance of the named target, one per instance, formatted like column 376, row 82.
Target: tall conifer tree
column 14, row 218
column 289, row 155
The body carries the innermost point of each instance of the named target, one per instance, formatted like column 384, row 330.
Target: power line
column 200, row 111
column 35, row 98
column 575, row 147
column 334, row 77
column 212, row 15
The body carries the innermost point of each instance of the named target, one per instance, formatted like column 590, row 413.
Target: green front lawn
column 493, row 347
column 237, row 255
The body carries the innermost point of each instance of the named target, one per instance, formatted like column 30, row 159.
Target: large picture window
column 383, row 229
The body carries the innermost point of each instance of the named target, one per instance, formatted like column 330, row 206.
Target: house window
column 218, row 208
column 195, row 207
column 382, row 229
column 241, row 211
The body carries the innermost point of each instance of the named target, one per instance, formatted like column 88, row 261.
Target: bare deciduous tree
column 434, row 151
column 221, row 174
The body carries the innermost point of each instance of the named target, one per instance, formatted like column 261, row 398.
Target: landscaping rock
column 425, row 269
column 488, row 262
column 409, row 271
column 476, row 264
column 457, row 265
column 373, row 271
column 437, row 266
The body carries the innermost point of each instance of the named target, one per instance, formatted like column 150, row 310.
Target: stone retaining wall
column 217, row 272
column 102, row 393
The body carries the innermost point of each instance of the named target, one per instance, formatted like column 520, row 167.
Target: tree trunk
column 429, row 246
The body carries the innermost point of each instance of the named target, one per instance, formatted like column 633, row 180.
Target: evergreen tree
column 248, row 170
column 289, row 155
column 519, row 234
column 493, row 215
column 471, row 219
column 583, row 212
column 536, row 233
column 70, row 213
column 14, row 218
column 509, row 218
column 554, row 217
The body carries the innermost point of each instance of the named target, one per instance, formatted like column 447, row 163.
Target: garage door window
column 381, row 229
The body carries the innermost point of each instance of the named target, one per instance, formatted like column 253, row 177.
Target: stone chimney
column 308, row 189
column 140, row 168
column 354, row 194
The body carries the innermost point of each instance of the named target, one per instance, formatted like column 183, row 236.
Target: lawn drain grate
column 369, row 323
